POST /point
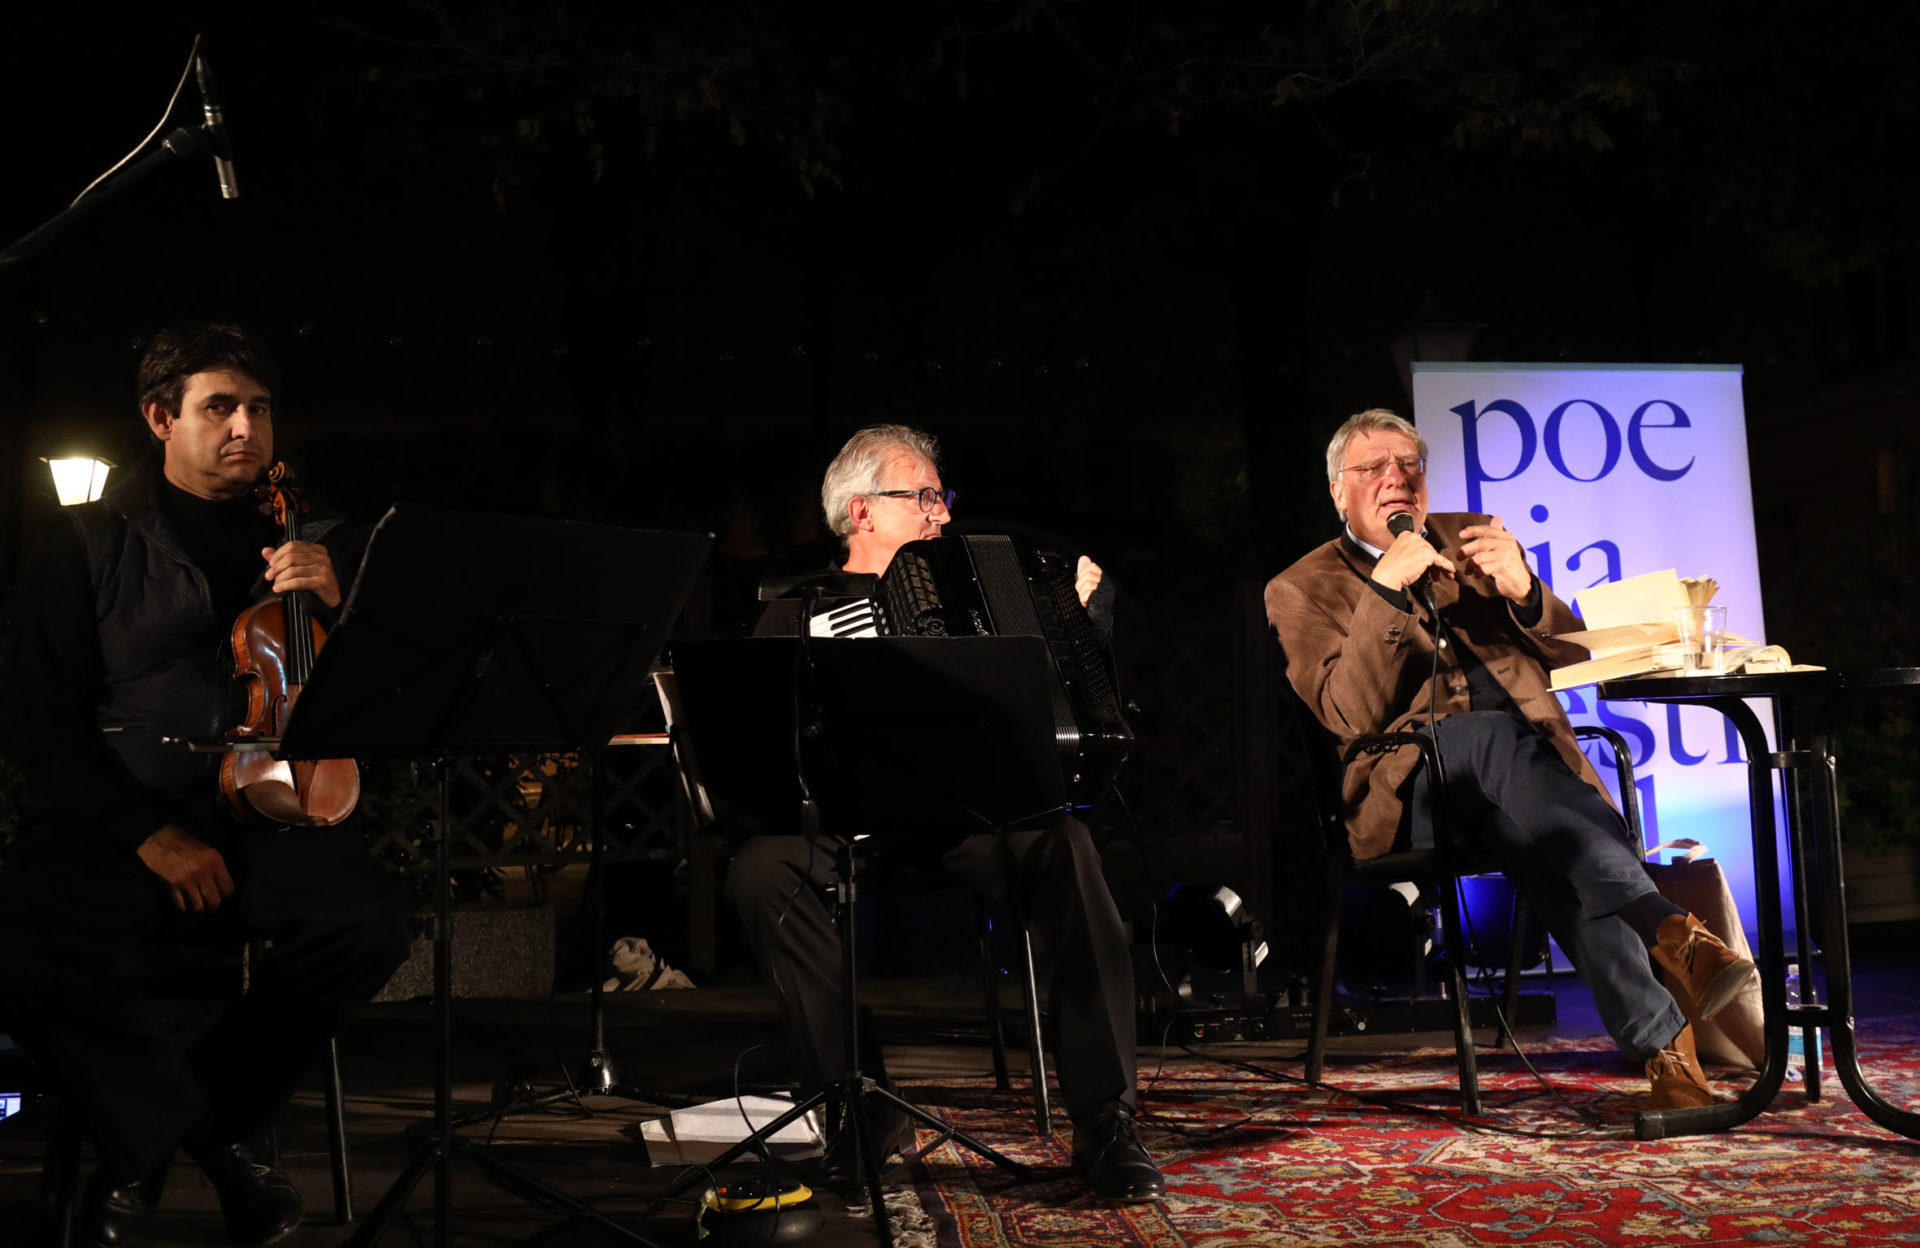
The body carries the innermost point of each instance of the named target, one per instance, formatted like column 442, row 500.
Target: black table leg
column 1846, row 1057
column 1657, row 1124
column 1802, row 793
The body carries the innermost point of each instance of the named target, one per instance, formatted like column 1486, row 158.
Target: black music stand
column 550, row 651
column 778, row 718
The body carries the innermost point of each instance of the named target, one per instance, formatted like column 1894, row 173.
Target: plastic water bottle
column 1796, row 1036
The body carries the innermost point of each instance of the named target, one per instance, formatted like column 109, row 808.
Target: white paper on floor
column 699, row 1133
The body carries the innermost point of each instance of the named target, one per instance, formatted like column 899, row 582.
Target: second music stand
column 790, row 726
column 548, row 650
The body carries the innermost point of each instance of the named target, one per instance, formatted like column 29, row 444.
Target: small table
column 1803, row 708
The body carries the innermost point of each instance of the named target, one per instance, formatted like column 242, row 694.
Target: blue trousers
column 1566, row 851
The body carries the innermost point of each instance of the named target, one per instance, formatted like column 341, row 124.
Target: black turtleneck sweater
column 223, row 537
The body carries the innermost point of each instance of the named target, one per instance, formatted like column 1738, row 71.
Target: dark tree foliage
column 1777, row 118
column 1166, row 243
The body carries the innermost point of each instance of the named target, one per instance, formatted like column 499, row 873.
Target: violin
column 274, row 643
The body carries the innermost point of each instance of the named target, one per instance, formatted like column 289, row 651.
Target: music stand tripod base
column 850, row 1093
column 802, row 705
column 599, row 1075
column 440, row 1145
column 552, row 657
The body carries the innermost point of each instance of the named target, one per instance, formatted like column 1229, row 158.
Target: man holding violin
column 117, row 648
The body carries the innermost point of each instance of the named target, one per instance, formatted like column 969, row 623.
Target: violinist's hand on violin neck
column 302, row 565
column 193, row 871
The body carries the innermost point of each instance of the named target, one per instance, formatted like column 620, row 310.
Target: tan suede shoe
column 1678, row 1082
column 1713, row 974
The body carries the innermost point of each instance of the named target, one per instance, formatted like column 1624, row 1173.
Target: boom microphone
column 216, row 130
column 1422, row 589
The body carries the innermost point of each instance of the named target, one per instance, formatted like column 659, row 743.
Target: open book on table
column 1632, row 630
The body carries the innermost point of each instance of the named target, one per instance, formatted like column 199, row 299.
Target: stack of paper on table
column 1631, row 627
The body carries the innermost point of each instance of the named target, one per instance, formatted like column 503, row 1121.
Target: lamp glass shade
column 79, row 480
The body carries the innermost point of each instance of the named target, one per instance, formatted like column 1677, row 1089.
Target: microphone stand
column 178, row 145
column 1398, row 524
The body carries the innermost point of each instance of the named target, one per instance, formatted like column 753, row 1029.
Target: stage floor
column 684, row 1042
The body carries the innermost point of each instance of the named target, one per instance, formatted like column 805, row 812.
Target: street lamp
column 78, row 480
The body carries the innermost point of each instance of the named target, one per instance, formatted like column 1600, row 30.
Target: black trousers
column 74, row 921
column 1567, row 852
column 1049, row 877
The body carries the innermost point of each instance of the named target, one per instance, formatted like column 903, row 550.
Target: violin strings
column 299, row 632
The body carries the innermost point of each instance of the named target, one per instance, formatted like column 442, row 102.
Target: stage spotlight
column 1209, row 923
column 1487, row 908
column 1387, row 935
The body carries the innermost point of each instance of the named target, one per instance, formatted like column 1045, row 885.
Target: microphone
column 216, row 130
column 1422, row 589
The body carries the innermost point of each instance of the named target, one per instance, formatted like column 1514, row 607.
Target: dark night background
column 650, row 263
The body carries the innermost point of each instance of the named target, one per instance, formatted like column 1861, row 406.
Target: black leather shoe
column 260, row 1203
column 111, row 1216
column 1108, row 1153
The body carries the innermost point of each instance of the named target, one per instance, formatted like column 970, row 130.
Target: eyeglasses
column 926, row 497
column 1411, row 467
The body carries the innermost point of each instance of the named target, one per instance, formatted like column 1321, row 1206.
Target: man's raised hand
column 1496, row 553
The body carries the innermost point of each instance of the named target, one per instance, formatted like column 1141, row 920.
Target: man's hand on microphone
column 1407, row 560
column 1496, row 553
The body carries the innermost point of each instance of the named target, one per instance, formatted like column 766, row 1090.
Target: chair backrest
column 684, row 754
column 1629, row 802
column 1324, row 768
column 1316, row 756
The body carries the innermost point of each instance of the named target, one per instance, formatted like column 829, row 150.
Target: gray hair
column 856, row 469
column 1373, row 420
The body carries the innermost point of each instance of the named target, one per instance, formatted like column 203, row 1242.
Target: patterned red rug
column 1249, row 1160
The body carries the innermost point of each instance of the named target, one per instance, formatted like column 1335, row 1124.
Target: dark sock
column 151, row 1179
column 1090, row 1112
column 1644, row 913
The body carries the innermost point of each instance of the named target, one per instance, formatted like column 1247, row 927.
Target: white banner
column 1607, row 472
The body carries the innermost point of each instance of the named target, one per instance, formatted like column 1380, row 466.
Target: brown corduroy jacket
column 1362, row 665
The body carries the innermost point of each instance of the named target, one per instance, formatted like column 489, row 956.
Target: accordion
column 985, row 585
